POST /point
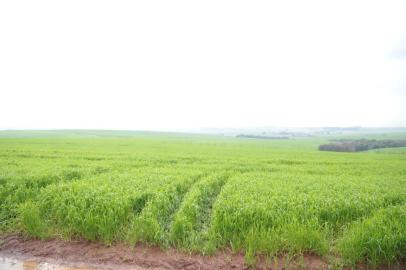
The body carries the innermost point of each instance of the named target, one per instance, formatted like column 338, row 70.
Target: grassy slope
column 205, row 192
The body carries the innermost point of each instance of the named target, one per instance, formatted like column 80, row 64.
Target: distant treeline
column 360, row 145
column 262, row 137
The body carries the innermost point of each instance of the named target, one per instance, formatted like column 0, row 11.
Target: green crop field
column 206, row 193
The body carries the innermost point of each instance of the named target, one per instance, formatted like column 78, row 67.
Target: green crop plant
column 206, row 193
column 379, row 239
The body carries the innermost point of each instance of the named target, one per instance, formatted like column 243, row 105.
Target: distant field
column 204, row 193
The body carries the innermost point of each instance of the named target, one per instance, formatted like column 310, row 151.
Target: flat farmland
column 202, row 194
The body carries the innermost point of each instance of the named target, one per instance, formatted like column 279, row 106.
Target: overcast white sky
column 165, row 65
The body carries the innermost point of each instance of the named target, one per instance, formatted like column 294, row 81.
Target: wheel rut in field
column 153, row 223
column 191, row 223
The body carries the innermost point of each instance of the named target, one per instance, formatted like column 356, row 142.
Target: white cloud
column 188, row 64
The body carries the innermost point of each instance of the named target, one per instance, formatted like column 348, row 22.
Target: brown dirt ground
column 93, row 255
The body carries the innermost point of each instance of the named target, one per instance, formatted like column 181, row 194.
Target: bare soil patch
column 91, row 255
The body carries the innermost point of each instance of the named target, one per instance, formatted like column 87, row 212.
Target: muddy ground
column 90, row 255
